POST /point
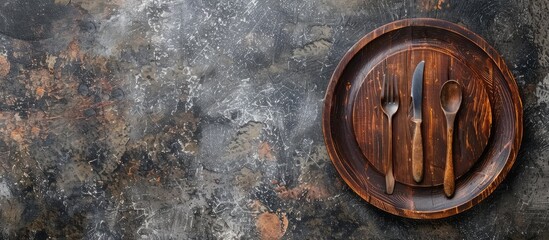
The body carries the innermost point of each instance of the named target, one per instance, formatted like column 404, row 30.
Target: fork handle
column 417, row 152
column 389, row 178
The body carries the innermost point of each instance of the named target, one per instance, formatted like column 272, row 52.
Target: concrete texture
column 200, row 119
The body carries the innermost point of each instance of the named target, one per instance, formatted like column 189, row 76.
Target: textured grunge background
column 200, row 119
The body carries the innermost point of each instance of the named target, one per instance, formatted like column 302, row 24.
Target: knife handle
column 417, row 152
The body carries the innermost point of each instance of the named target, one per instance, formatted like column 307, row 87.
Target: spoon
column 450, row 101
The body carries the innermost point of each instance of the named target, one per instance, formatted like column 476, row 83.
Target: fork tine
column 391, row 91
column 395, row 81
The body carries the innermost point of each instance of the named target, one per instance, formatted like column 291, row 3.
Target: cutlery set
column 406, row 161
column 450, row 101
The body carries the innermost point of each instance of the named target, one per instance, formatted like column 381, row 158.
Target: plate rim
column 490, row 52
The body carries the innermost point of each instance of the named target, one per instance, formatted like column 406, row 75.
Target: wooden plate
column 488, row 127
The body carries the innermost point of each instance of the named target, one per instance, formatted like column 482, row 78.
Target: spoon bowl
column 450, row 96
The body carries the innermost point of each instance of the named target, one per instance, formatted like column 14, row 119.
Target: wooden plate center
column 472, row 124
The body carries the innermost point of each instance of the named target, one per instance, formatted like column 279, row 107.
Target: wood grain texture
column 369, row 125
column 354, row 126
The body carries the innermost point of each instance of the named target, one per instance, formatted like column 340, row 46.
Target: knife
column 417, row 141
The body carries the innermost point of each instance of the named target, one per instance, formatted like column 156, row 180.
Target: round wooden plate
column 488, row 127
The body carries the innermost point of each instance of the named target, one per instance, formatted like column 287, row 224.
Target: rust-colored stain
column 271, row 226
column 17, row 134
column 40, row 82
column 265, row 152
column 439, row 5
column 73, row 52
column 4, row 66
column 430, row 5
column 35, row 131
column 307, row 191
column 40, row 92
column 22, row 131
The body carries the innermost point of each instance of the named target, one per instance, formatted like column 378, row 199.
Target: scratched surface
column 200, row 119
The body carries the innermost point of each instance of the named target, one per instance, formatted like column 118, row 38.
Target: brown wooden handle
column 449, row 180
column 389, row 177
column 417, row 153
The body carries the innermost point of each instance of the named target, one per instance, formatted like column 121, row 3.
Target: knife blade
column 417, row 141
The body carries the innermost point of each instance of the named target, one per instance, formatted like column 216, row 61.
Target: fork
column 389, row 105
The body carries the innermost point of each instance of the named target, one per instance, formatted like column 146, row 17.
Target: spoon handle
column 449, row 184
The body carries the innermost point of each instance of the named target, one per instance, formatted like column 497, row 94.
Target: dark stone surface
column 183, row 119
